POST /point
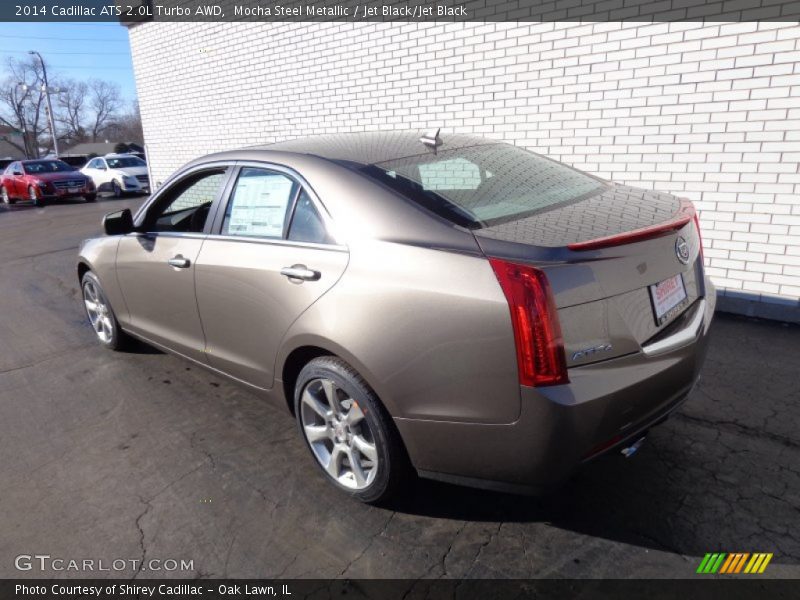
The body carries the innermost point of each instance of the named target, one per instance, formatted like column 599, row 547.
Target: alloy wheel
column 6, row 198
column 98, row 312
column 339, row 434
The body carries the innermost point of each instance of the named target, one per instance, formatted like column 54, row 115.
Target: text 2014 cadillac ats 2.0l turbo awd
column 448, row 305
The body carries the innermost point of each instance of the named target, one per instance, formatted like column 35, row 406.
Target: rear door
column 269, row 258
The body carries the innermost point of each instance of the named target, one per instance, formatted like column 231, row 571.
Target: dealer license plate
column 669, row 298
column 74, row 190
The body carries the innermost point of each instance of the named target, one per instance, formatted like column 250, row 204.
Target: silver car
column 449, row 306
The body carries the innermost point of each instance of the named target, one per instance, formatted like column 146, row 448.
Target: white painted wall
column 708, row 111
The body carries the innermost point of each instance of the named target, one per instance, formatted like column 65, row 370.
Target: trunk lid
column 601, row 255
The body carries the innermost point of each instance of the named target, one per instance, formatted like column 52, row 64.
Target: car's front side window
column 184, row 207
column 259, row 204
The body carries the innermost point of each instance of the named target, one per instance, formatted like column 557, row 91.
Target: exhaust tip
column 629, row 451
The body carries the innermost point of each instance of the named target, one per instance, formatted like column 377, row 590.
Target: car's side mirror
column 119, row 222
column 17, row 173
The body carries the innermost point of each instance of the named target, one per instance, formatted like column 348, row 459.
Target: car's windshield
column 47, row 166
column 127, row 161
column 482, row 185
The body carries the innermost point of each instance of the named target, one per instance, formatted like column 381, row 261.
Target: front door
column 18, row 187
column 269, row 258
column 156, row 266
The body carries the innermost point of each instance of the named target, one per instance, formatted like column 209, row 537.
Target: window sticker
column 259, row 204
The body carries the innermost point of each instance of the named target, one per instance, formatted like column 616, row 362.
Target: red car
column 43, row 180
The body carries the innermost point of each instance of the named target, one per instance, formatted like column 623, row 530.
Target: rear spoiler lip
column 685, row 214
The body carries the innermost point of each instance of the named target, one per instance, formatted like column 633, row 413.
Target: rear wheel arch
column 294, row 363
column 304, row 353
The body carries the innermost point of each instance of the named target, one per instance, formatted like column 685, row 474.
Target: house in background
column 9, row 140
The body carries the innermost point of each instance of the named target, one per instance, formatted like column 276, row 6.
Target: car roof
column 115, row 155
column 368, row 148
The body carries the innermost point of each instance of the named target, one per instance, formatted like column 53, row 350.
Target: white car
column 118, row 173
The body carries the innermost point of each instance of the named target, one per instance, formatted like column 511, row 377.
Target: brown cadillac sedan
column 450, row 306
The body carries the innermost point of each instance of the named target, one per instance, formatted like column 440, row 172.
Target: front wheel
column 90, row 197
column 100, row 315
column 4, row 195
column 116, row 188
column 33, row 196
column 349, row 433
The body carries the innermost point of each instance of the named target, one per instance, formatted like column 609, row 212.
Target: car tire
column 90, row 197
column 116, row 189
column 101, row 315
column 34, row 197
column 4, row 195
column 360, row 430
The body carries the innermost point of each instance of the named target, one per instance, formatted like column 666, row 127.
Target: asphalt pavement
column 140, row 455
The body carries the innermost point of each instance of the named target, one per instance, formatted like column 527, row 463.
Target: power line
column 33, row 37
column 69, row 53
column 92, row 67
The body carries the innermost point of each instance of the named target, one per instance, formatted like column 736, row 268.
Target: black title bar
column 137, row 11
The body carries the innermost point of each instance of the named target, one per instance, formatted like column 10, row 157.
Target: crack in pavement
column 369, row 544
column 739, row 428
column 38, row 362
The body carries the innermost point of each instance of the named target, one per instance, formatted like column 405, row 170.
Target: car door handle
column 179, row 262
column 300, row 272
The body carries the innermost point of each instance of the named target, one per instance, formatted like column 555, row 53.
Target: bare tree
column 127, row 127
column 84, row 111
column 71, row 113
column 22, row 104
column 104, row 101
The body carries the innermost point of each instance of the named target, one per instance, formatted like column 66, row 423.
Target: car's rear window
column 479, row 186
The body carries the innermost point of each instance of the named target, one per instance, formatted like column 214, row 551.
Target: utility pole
column 46, row 90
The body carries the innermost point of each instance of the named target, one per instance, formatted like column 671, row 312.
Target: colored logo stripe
column 758, row 563
column 734, row 563
column 723, row 563
column 711, row 563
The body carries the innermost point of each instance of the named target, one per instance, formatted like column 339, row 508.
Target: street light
column 46, row 90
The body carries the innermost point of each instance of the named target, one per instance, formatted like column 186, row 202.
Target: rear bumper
column 604, row 405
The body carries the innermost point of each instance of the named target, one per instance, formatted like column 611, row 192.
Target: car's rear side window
column 307, row 224
column 259, row 204
column 482, row 185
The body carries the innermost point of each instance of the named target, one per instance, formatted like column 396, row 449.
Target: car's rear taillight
column 537, row 333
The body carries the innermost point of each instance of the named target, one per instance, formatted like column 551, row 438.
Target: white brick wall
column 709, row 111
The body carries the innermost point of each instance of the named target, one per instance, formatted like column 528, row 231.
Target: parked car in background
column 480, row 313
column 119, row 174
column 40, row 181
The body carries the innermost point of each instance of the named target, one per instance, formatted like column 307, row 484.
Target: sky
column 74, row 50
